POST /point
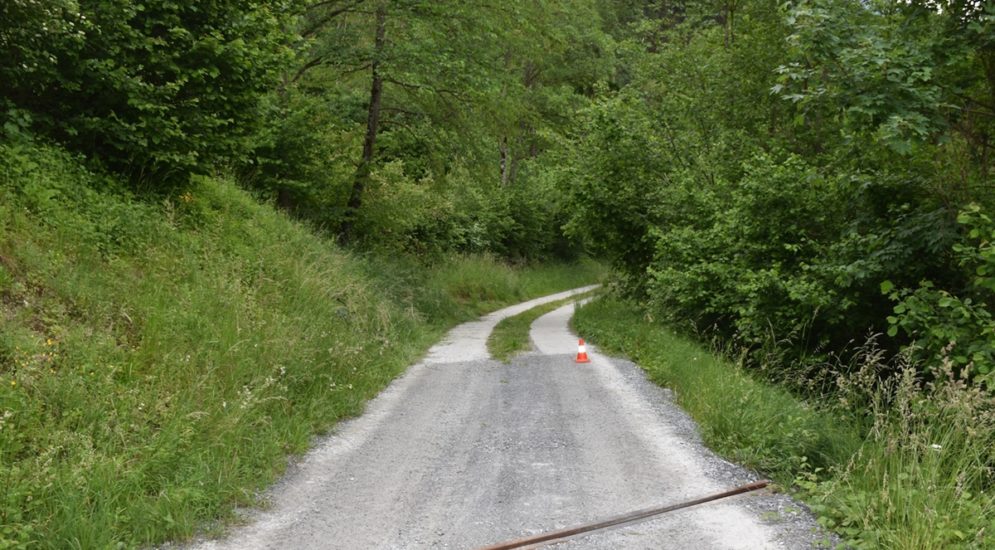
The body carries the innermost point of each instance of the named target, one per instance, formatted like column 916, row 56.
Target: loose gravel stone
column 464, row 451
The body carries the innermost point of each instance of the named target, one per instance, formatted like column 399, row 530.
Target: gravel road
column 463, row 451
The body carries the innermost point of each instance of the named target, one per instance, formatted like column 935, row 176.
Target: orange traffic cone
column 582, row 352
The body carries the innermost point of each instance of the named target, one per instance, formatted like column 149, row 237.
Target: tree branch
column 404, row 111
column 305, row 68
column 321, row 4
column 420, row 87
column 317, row 25
column 356, row 69
column 401, row 125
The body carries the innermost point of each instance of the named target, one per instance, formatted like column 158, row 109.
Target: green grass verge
column 511, row 335
column 899, row 466
column 159, row 359
column 755, row 424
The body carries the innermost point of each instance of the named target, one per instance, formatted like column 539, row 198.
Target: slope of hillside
column 159, row 357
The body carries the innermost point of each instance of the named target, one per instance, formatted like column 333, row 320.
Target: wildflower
column 936, row 447
column 13, row 383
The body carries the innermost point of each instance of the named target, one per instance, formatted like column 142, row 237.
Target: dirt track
column 463, row 451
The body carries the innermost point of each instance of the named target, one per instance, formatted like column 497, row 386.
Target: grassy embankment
column 511, row 336
column 901, row 466
column 159, row 358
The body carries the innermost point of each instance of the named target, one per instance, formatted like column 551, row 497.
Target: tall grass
column 160, row 358
column 756, row 424
column 885, row 462
column 924, row 476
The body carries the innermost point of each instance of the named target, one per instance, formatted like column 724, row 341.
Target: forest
column 807, row 187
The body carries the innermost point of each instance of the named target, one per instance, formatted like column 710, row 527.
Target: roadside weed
column 886, row 462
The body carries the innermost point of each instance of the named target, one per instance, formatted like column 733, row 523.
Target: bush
column 958, row 325
column 156, row 90
column 301, row 157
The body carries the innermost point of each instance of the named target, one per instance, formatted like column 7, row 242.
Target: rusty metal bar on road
column 623, row 519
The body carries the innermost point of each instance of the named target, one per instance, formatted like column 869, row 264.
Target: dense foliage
column 412, row 126
column 793, row 176
column 796, row 177
column 156, row 89
column 398, row 124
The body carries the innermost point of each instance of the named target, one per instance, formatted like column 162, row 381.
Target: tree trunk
column 362, row 176
column 987, row 57
column 285, row 200
column 505, row 171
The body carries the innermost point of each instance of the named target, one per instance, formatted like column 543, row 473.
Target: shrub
column 155, row 90
column 955, row 324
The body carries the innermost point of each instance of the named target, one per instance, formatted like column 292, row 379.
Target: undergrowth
column 160, row 358
column 886, row 462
